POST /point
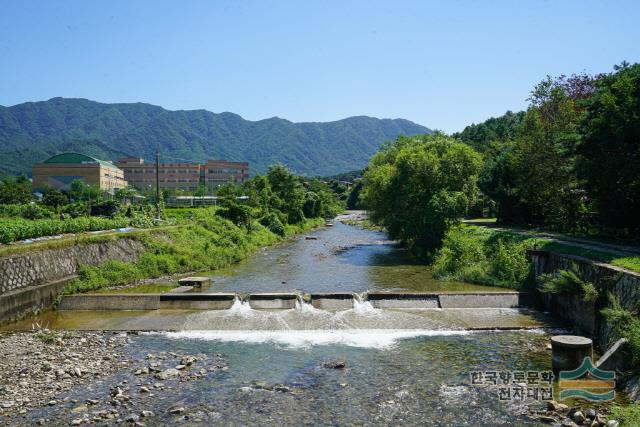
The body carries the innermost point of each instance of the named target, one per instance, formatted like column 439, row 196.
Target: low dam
column 283, row 300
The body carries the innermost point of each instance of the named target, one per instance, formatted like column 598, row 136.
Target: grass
column 483, row 256
column 146, row 288
column 486, row 256
column 630, row 263
column 80, row 239
column 205, row 242
column 628, row 415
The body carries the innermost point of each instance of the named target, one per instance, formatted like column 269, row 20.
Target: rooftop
column 77, row 158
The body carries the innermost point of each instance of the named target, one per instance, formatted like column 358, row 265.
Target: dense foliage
column 610, row 150
column 204, row 240
column 571, row 162
column 15, row 190
column 479, row 255
column 496, row 129
column 33, row 131
column 418, row 187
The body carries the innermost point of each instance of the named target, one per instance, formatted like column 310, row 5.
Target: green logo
column 582, row 383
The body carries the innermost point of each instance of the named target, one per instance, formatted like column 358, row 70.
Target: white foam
column 364, row 338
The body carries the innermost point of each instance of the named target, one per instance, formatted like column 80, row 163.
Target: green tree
column 417, row 187
column 533, row 178
column 55, row 199
column 610, row 150
column 289, row 192
column 15, row 190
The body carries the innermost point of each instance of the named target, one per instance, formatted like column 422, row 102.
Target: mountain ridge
column 32, row 131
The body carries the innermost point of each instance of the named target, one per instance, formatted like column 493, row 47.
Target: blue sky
column 441, row 64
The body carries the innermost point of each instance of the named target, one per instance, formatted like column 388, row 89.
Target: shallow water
column 344, row 258
column 422, row 380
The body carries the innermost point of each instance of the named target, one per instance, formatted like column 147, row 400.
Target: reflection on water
column 344, row 258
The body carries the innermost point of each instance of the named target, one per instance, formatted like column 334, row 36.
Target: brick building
column 59, row 171
column 183, row 176
column 219, row 172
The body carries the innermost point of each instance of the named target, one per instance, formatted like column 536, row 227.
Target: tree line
column 570, row 162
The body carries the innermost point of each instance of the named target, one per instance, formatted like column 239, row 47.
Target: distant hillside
column 495, row 129
column 33, row 131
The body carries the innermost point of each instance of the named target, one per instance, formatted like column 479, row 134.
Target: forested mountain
column 500, row 129
column 33, row 131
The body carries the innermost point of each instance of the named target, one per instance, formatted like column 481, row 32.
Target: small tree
column 55, row 199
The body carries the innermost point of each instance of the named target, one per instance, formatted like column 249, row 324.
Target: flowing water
column 402, row 367
column 342, row 258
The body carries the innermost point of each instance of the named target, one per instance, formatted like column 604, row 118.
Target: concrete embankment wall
column 586, row 316
column 31, row 280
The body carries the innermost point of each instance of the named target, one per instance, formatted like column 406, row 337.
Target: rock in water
column 167, row 373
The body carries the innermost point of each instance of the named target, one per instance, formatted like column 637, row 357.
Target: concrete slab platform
column 273, row 301
column 197, row 301
column 403, row 300
column 110, row 302
column 332, row 301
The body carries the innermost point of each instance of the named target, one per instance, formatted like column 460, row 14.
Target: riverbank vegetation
column 499, row 258
column 279, row 205
column 569, row 163
column 416, row 187
column 205, row 241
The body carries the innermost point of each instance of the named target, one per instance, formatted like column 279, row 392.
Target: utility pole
column 158, row 184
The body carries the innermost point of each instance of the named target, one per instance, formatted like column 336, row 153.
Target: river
column 362, row 366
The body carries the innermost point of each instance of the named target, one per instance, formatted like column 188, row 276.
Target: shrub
column 27, row 211
column 482, row 256
column 273, row 224
column 568, row 282
column 108, row 208
column 625, row 323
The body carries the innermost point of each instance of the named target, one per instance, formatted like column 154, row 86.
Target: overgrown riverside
column 205, row 241
column 568, row 164
column 260, row 212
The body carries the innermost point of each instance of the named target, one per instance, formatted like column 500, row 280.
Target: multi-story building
column 183, row 176
column 219, row 172
column 59, row 171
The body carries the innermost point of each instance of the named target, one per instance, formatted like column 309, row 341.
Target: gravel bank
column 39, row 372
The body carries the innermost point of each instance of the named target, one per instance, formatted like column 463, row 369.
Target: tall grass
column 483, row 256
column 207, row 242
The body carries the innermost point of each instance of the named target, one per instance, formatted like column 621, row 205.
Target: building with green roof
column 59, row 171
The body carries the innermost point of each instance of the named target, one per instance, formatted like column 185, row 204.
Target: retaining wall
column 30, row 281
column 622, row 283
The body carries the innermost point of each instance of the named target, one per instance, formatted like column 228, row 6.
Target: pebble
column 578, row 417
column 177, row 410
column 167, row 373
column 144, row 389
column 147, row 414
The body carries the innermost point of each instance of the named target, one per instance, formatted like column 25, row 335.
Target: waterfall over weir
column 304, row 325
column 304, row 316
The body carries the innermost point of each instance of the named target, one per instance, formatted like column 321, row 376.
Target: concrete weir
column 403, row 300
column 273, row 301
column 333, row 301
